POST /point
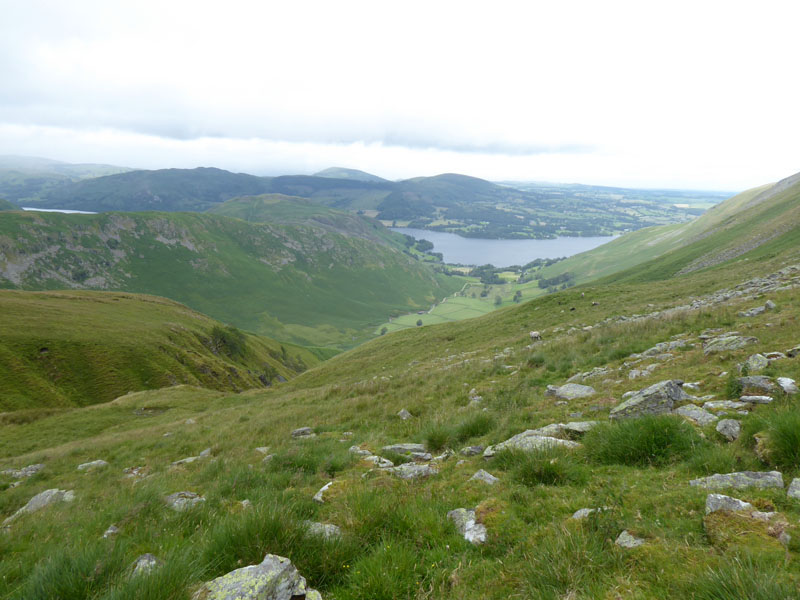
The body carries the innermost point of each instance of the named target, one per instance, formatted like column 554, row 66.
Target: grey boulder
column 626, row 540
column 570, row 391
column 659, row 398
column 740, row 480
column 696, row 415
column 91, row 466
column 758, row 384
column 794, row 489
column 303, row 432
column 484, row 476
column 145, row 564
column 464, row 520
column 412, row 471
column 404, row 414
column 405, row 448
column 182, row 501
column 727, row 343
column 39, row 501
column 788, row 385
column 715, row 502
column 729, row 429
column 529, row 441
column 323, row 530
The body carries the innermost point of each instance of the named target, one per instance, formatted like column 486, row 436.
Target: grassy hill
column 66, row 349
column 6, row 205
column 302, row 284
column 341, row 173
column 468, row 383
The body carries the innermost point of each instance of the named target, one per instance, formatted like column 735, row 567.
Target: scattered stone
column 740, row 480
column 692, row 385
column 561, row 403
column 626, row 540
column 596, row 372
column 773, row 356
column 324, row 530
column 443, row 456
column 378, row 461
column 359, row 451
column 91, row 466
column 791, row 353
column 39, row 501
column 135, row 472
column 182, row 501
column 585, row 512
column 404, row 448
column 111, row 531
column 570, row 391
column 190, row 459
column 715, row 502
column 572, row 429
column 756, row 363
column 404, row 414
column 24, row 472
column 756, row 399
column 412, row 471
column 657, row 399
column 319, row 496
column 275, row 578
column 471, row 450
column 246, row 504
column 727, row 343
column 729, row 429
column 696, row 415
column 770, row 305
column 794, row 489
column 757, row 384
column 464, row 520
column 528, row 441
column 263, row 449
column 303, row 432
column 485, row 477
column 724, row 404
column 145, row 564
column 190, row 422
column 638, row 373
column 763, row 516
column 753, row 312
column 789, row 386
column 268, row 458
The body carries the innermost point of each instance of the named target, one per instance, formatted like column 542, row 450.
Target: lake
column 501, row 253
column 60, row 210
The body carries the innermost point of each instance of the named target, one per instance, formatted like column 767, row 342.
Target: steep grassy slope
column 61, row 349
column 6, row 205
column 296, row 283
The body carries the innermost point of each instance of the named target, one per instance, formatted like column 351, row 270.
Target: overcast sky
column 695, row 94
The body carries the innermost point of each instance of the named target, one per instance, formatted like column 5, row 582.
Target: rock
column 404, row 448
column 471, row 450
column 263, row 449
column 773, row 356
column 359, row 451
column 275, row 578
column 190, row 422
column 485, row 477
column 756, row 399
column 727, row 343
column 111, row 531
column 757, row 384
column 246, row 504
column 753, row 312
column 268, row 458
column 725, row 404
column 570, row 391
column 412, row 471
column 91, row 466
column 443, row 456
column 39, row 501
column 424, row 456
column 145, row 564
column 789, row 386
column 696, row 415
column 303, row 432
column 770, row 305
column 729, row 429
column 324, row 530
column 657, row 399
column 794, row 489
column 792, row 352
column 528, row 441
column 182, row 501
column 319, row 496
column 464, row 520
column 135, row 472
column 585, row 512
column 572, row 429
column 561, row 403
column 756, row 363
column 24, row 472
column 186, row 461
column 626, row 540
column 404, row 414
column 379, row 461
column 715, row 502
column 740, row 480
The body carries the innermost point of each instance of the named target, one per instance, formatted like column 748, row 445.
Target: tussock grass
column 743, row 576
column 553, row 466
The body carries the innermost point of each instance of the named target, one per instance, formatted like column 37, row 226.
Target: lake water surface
column 501, row 253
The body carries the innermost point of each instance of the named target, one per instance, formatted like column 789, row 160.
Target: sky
column 700, row 94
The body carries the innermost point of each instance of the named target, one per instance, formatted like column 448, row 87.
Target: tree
column 419, row 322
column 384, row 330
column 518, row 296
column 498, row 300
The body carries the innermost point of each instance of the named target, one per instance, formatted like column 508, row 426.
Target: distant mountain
column 355, row 174
column 6, row 205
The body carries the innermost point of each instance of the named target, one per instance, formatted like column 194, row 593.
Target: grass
column 545, row 467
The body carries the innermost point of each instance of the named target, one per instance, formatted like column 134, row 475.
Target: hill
column 6, row 205
column 66, row 349
column 341, row 173
column 591, row 507
column 303, row 284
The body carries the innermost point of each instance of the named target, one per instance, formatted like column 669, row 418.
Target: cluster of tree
column 556, row 281
column 488, row 274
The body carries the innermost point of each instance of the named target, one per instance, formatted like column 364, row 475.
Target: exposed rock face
column 758, row 384
column 528, row 441
column 727, row 342
column 275, row 578
column 24, row 472
column 756, row 363
column 412, row 471
column 572, row 429
column 181, row 501
column 626, row 540
column 484, row 476
column 715, row 502
column 730, row 429
column 405, row 448
column 39, row 501
column 570, row 391
column 788, row 385
column 464, row 520
column 756, row 399
column 740, row 480
column 696, row 415
column 657, row 399
column 303, row 432
column 91, row 466
column 145, row 564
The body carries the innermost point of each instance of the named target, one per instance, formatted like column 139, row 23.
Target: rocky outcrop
column 182, row 501
column 698, row 416
column 570, row 391
column 729, row 429
column 303, row 432
column 529, row 441
column 412, row 471
column 464, row 520
column 715, row 502
column 484, row 476
column 24, row 472
column 756, row 384
column 405, row 448
column 39, row 501
column 727, row 342
column 740, row 480
column 659, row 398
column 91, row 466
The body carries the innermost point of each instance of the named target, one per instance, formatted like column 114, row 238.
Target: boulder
column 725, row 404
column 404, row 448
column 696, row 415
column 110, row 532
column 378, row 461
column 792, row 352
column 657, row 399
column 303, row 432
column 788, row 385
column 91, row 466
column 758, row 384
column 729, row 429
column 794, row 489
column 359, row 451
column 39, row 501
column 740, row 480
column 275, row 578
column 756, row 399
column 572, row 429
column 319, row 496
column 412, row 471
column 263, row 450
column 756, row 363
column 324, row 530
column 770, row 305
column 484, row 476
column 727, row 343
column 404, row 414
column 570, row 391
column 190, row 459
column 585, row 512
column 529, row 441
column 182, row 501
column 464, row 520
column 753, row 312
column 145, row 564
column 715, row 502
column 24, row 472
column 626, row 540
column 471, row 450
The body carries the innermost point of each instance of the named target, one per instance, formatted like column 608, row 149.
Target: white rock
column 182, row 501
column 91, row 466
column 464, row 520
column 485, row 477
column 319, row 496
column 626, row 540
column 111, row 531
column 715, row 502
column 788, row 385
column 730, row 429
column 794, row 489
column 39, row 501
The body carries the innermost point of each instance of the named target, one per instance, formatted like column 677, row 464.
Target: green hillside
column 64, row 349
column 6, row 205
column 465, row 384
column 302, row 284
column 341, row 173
